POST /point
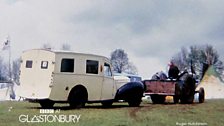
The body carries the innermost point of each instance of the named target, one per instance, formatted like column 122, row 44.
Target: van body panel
column 93, row 85
column 55, row 84
column 108, row 86
column 36, row 74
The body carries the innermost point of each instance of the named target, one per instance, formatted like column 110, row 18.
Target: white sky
column 150, row 31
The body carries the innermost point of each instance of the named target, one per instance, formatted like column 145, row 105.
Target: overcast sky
column 150, row 31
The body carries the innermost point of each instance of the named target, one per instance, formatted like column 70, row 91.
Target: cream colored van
column 57, row 76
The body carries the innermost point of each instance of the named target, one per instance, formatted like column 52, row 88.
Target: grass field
column 210, row 113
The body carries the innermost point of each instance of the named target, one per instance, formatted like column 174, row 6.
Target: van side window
column 29, row 64
column 67, row 65
column 44, row 64
column 107, row 70
column 92, row 66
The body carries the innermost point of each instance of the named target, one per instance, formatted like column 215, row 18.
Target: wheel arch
column 78, row 87
column 130, row 90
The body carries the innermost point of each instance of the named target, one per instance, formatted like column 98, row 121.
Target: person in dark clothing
column 159, row 76
column 173, row 71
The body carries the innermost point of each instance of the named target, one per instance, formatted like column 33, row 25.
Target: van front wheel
column 135, row 103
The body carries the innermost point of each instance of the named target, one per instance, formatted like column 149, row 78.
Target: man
column 173, row 71
column 159, row 76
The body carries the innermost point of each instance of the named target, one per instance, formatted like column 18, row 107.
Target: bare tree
column 198, row 57
column 3, row 70
column 131, row 69
column 120, row 62
column 181, row 58
column 66, row 47
column 212, row 58
column 47, row 46
column 15, row 70
column 209, row 55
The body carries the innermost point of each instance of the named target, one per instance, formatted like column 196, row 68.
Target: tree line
column 194, row 56
column 200, row 57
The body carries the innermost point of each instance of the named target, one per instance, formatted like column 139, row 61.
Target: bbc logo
column 47, row 111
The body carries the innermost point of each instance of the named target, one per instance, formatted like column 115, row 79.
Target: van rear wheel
column 77, row 98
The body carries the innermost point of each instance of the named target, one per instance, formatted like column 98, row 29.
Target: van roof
column 67, row 52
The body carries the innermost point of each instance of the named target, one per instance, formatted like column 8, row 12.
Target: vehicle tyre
column 134, row 103
column 188, row 91
column 46, row 104
column 190, row 99
column 158, row 99
column 107, row 104
column 176, row 97
column 187, row 99
column 201, row 95
column 78, row 97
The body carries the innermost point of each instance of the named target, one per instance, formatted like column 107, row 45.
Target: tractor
column 182, row 88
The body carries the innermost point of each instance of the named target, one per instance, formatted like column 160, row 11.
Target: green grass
column 210, row 112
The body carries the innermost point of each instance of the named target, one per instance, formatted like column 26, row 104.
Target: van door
column 108, row 83
column 36, row 71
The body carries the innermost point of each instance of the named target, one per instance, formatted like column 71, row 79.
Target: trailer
column 181, row 89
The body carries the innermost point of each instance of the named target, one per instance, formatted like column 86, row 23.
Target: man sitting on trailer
column 173, row 71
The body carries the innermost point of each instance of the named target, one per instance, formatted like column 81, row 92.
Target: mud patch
column 133, row 112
